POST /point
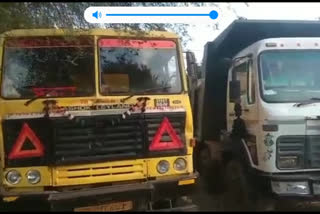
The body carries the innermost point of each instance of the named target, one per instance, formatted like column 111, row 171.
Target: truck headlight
column 295, row 187
column 163, row 166
column 33, row 176
column 180, row 164
column 13, row 177
column 288, row 162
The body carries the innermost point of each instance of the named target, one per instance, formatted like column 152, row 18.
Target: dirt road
column 208, row 202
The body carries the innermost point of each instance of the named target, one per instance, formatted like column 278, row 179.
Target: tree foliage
column 21, row 15
column 25, row 67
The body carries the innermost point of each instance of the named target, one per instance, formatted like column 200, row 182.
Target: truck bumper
column 139, row 193
column 311, row 198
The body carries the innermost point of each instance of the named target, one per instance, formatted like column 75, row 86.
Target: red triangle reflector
column 156, row 143
column 17, row 152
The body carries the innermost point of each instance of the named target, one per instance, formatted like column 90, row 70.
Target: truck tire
column 210, row 172
column 240, row 194
column 204, row 161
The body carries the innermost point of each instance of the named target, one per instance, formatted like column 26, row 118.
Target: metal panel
column 98, row 173
column 88, row 139
column 94, row 138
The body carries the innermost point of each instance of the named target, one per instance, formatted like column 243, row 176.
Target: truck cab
column 94, row 120
column 258, row 122
column 279, row 94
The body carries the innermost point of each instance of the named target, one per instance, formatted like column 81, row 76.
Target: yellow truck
column 94, row 120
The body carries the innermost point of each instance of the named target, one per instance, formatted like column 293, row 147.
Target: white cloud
column 201, row 33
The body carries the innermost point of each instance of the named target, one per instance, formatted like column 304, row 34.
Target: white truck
column 257, row 116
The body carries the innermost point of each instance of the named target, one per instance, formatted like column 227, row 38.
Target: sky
column 275, row 11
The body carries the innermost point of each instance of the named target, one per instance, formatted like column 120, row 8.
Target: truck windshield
column 290, row 76
column 133, row 66
column 53, row 66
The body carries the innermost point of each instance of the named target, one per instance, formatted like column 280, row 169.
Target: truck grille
column 313, row 151
column 291, row 145
column 96, row 138
column 103, row 172
column 87, row 139
column 307, row 148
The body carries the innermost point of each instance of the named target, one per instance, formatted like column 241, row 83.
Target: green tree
column 19, row 15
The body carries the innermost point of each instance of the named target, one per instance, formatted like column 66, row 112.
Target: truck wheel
column 238, row 194
column 204, row 161
column 210, row 172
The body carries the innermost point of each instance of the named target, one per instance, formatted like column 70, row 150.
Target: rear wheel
column 210, row 172
column 204, row 161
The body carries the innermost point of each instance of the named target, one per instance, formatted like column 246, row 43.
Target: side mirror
column 192, row 67
column 234, row 91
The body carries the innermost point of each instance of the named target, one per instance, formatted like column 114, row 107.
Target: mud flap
column 180, row 204
column 187, row 208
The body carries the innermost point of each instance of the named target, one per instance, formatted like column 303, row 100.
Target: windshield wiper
column 143, row 91
column 310, row 101
column 28, row 102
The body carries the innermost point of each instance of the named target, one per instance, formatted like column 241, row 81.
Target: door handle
column 233, row 114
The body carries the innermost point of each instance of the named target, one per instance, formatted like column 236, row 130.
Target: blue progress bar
column 213, row 14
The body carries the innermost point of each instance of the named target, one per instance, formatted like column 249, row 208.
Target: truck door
column 245, row 74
